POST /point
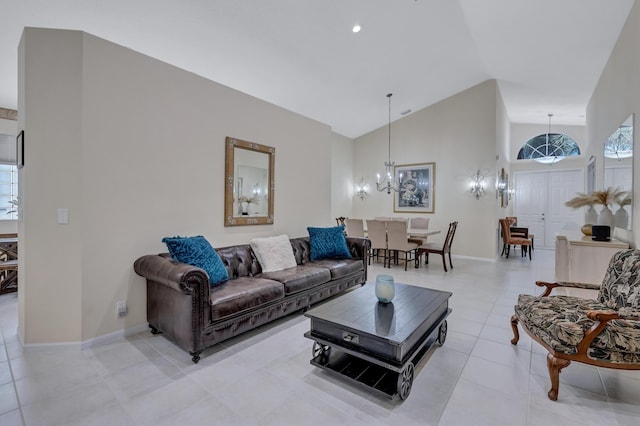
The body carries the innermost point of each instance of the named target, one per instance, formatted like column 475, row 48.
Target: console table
column 579, row 258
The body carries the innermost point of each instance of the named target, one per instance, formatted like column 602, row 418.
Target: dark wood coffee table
column 376, row 345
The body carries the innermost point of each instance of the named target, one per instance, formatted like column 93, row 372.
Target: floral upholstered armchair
column 604, row 332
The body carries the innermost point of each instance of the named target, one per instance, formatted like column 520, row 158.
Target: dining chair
column 398, row 242
column 377, row 234
column 418, row 227
column 508, row 239
column 513, row 222
column 355, row 227
column 436, row 248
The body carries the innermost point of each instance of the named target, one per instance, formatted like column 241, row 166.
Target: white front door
column 530, row 203
column 539, row 203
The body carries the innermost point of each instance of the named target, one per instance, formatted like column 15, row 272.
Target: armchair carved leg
column 555, row 365
column 514, row 327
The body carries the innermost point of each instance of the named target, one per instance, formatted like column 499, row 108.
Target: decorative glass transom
column 620, row 144
column 549, row 145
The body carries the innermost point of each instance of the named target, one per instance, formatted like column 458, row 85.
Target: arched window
column 620, row 144
column 549, row 148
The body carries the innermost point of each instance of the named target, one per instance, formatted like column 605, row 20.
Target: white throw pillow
column 273, row 253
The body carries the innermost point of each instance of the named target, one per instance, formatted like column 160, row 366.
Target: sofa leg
column 555, row 365
column 514, row 327
column 195, row 356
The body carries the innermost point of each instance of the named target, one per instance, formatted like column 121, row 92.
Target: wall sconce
column 362, row 189
column 477, row 185
column 502, row 188
column 502, row 184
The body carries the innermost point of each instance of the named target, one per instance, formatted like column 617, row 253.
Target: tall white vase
column 605, row 217
column 591, row 216
column 621, row 218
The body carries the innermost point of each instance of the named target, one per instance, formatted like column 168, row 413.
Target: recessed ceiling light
column 356, row 28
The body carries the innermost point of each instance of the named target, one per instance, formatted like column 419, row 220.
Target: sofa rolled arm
column 358, row 247
column 179, row 276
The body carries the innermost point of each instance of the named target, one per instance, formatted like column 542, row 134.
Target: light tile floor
column 264, row 377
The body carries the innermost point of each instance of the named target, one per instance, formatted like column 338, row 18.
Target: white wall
column 134, row 148
column 503, row 152
column 342, row 179
column 616, row 97
column 458, row 134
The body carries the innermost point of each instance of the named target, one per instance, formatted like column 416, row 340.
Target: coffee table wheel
column 405, row 380
column 320, row 350
column 442, row 333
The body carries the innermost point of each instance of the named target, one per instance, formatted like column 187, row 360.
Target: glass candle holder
column 385, row 288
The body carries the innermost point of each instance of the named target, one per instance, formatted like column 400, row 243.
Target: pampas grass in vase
column 590, row 215
column 607, row 198
column 621, row 216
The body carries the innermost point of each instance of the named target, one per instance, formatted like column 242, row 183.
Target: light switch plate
column 63, row 216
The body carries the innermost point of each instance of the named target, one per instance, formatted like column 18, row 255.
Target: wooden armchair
column 604, row 332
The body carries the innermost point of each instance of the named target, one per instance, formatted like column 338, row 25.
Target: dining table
column 419, row 236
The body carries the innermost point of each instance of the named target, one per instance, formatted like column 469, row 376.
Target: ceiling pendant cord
column 386, row 183
column 548, row 132
column 389, row 96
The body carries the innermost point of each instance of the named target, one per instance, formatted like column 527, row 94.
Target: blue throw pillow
column 198, row 252
column 328, row 242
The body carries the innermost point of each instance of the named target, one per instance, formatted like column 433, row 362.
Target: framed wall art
column 416, row 188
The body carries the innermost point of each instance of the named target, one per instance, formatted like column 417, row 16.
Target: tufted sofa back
column 621, row 284
column 239, row 261
column 301, row 249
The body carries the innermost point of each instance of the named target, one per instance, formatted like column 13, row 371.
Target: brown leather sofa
column 195, row 315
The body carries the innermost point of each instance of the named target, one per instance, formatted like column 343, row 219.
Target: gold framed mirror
column 249, row 183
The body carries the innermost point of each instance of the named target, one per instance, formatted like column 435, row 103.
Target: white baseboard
column 482, row 259
column 79, row 346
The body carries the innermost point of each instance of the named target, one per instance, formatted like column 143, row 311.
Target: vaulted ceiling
column 302, row 55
